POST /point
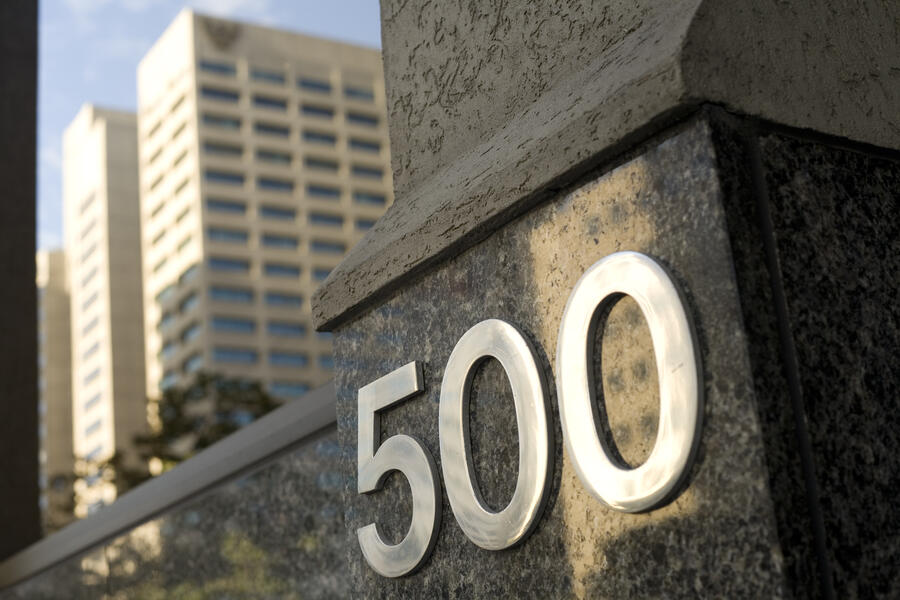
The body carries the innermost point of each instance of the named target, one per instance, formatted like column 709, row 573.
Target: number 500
column 621, row 488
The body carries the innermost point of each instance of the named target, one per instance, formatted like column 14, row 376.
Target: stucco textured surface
column 492, row 104
column 718, row 538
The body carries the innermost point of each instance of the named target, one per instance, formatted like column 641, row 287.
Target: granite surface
column 495, row 105
column 834, row 216
column 276, row 532
column 718, row 537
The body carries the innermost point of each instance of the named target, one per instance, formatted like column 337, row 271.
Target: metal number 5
column 398, row 453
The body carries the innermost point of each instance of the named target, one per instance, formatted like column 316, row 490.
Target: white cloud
column 233, row 8
column 51, row 156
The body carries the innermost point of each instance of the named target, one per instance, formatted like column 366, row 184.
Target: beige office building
column 101, row 226
column 55, row 391
column 263, row 157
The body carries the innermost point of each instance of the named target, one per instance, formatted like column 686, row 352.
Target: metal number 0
column 488, row 529
column 678, row 367
column 398, row 453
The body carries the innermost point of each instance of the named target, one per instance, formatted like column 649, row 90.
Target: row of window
column 225, row 264
column 276, row 184
column 238, row 208
column 318, row 111
column 311, row 84
column 272, row 240
column 283, row 131
column 287, row 389
column 285, row 158
column 278, row 358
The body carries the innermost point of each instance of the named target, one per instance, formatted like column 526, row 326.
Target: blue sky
column 89, row 51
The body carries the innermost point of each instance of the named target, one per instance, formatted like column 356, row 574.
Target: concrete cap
column 496, row 105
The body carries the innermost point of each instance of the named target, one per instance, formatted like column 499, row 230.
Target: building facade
column 264, row 156
column 101, row 226
column 55, row 391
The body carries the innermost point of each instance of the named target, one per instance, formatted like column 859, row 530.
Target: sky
column 89, row 50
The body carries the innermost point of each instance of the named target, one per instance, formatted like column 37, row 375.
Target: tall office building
column 102, row 226
column 55, row 391
column 263, row 157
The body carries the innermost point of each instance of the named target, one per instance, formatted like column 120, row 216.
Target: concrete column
column 752, row 151
column 19, row 514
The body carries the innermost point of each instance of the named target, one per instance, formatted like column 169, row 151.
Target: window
column 320, row 112
column 234, row 355
column 272, row 240
column 316, row 218
column 179, row 130
column 179, row 158
column 166, row 293
column 326, row 361
column 159, row 208
column 220, row 149
column 273, row 184
column 267, row 76
column 364, row 224
column 93, row 427
column 364, row 171
column 87, row 253
column 321, row 273
column 86, row 203
column 183, row 215
column 284, row 299
column 322, row 191
column 190, row 332
column 231, row 294
column 369, row 198
column 359, row 93
column 168, row 350
column 310, row 84
column 90, row 326
column 182, row 185
column 154, row 129
column 281, row 358
column 364, row 145
column 269, row 102
column 156, row 183
column 91, row 376
column 325, row 336
column 221, row 121
column 87, row 278
column 320, row 163
column 158, row 267
column 177, row 104
column 226, row 236
column 193, row 363
column 90, row 300
column 327, row 247
column 93, row 401
column 189, row 274
column 189, row 302
column 90, row 351
column 272, row 129
column 219, row 94
column 226, row 206
column 281, row 270
column 159, row 237
column 88, row 228
column 288, row 389
column 94, row 455
column 224, row 177
column 168, row 380
column 275, row 212
column 219, row 263
column 218, row 68
column 156, row 155
column 166, row 321
column 318, row 137
column 233, row 325
column 183, row 243
column 274, row 156
column 365, row 120
column 286, row 328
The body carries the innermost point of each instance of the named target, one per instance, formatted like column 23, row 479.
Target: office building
column 55, row 391
column 263, row 157
column 101, row 226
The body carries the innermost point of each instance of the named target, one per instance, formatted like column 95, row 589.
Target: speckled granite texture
column 275, row 533
column 719, row 537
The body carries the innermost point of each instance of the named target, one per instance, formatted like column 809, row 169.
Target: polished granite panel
column 718, row 538
column 834, row 213
column 276, row 532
